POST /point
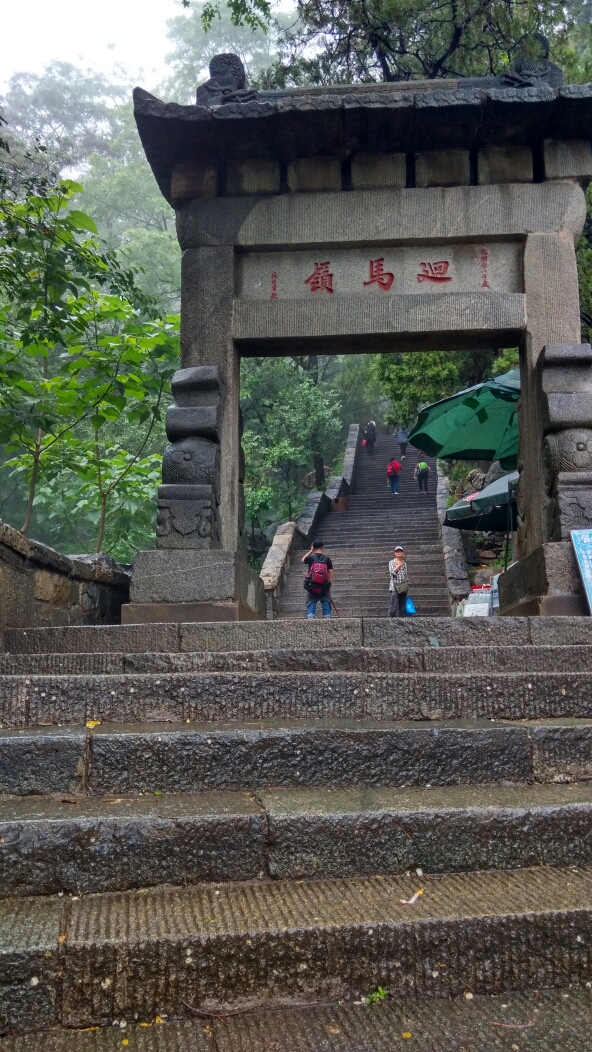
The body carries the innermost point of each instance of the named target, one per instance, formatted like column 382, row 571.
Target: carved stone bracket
column 566, row 382
column 190, row 494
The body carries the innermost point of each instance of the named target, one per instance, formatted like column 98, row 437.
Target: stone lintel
column 366, row 217
column 288, row 320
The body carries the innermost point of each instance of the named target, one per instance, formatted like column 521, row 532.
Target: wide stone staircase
column 225, row 836
column 360, row 542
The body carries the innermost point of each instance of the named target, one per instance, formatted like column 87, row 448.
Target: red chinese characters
column 437, row 272
column 321, row 280
column 379, row 276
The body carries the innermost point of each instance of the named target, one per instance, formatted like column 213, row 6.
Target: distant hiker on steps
column 422, row 473
column 370, row 437
column 398, row 586
column 318, row 580
column 402, row 439
column 393, row 471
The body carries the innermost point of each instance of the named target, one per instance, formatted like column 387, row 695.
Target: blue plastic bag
column 410, row 606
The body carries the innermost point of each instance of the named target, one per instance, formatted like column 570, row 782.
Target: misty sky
column 95, row 33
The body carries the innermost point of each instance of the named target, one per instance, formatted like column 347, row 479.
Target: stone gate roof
column 372, row 118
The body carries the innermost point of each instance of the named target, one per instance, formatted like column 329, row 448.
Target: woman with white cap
column 398, row 586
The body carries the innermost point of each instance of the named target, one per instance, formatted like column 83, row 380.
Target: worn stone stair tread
column 114, row 954
column 89, row 844
column 539, row 1021
column 298, row 632
column 243, row 757
column 238, row 695
column 339, row 659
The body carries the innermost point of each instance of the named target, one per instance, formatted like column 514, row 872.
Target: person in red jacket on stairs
column 393, row 471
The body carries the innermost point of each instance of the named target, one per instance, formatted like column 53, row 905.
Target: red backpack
column 392, row 469
column 317, row 578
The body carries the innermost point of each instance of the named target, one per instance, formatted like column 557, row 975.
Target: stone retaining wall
column 40, row 588
column 294, row 536
column 455, row 563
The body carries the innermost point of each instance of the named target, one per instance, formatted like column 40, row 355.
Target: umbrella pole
column 508, row 524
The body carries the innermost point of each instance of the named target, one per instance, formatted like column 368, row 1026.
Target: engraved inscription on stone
column 378, row 271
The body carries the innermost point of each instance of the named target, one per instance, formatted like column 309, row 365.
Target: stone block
column 378, row 171
column 194, row 179
column 369, row 831
column 297, row 633
column 197, row 385
column 184, row 421
column 192, row 461
column 505, row 164
column 444, row 631
column 547, row 579
column 442, row 168
column 29, row 964
column 187, row 517
column 253, row 177
column 343, row 753
column 100, row 845
column 41, row 761
column 568, row 159
column 309, row 174
column 195, row 576
column 561, row 631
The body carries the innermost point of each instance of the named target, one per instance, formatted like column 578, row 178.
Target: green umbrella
column 487, row 509
column 496, row 493
column 477, row 424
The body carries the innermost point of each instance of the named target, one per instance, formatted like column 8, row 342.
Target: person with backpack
column 318, row 580
column 370, row 437
column 393, row 471
column 402, row 439
column 422, row 473
column 399, row 584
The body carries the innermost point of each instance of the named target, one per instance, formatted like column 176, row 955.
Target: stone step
column 124, row 759
column 220, row 696
column 539, row 1020
column 326, row 659
column 246, row 635
column 139, row 954
column 116, row 844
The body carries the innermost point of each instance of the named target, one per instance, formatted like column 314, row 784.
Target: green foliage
column 363, row 40
column 288, row 418
column 79, row 359
column 412, row 380
column 376, row 996
column 508, row 359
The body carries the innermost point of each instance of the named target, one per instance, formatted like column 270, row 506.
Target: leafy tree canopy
column 345, row 41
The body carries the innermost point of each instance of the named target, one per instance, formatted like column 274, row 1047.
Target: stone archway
column 368, row 217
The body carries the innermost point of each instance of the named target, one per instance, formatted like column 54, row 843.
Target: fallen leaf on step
column 69, row 800
column 333, row 1030
column 413, row 899
column 515, row 1026
column 92, row 723
column 406, row 1033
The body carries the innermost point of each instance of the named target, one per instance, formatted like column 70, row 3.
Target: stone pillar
column 553, row 316
column 547, row 580
column 199, row 572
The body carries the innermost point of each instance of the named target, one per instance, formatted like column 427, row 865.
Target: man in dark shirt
column 321, row 593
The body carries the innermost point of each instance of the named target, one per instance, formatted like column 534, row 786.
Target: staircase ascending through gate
column 220, row 837
column 360, row 542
